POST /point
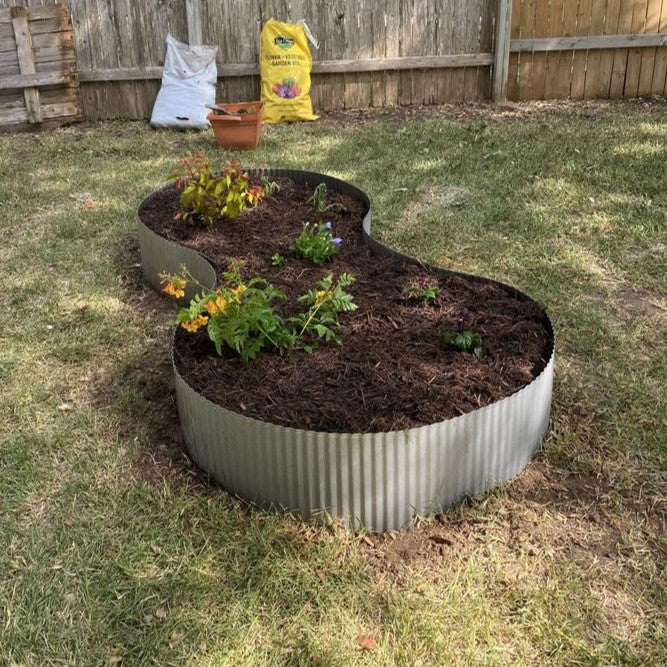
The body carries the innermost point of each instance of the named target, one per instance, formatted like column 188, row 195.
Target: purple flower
column 424, row 279
column 465, row 317
column 328, row 224
column 337, row 241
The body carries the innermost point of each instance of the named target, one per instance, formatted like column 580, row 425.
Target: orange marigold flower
column 175, row 288
column 237, row 291
column 217, row 305
column 196, row 324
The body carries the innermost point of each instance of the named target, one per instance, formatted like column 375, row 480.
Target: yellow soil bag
column 284, row 65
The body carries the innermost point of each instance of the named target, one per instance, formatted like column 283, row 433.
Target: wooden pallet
column 39, row 84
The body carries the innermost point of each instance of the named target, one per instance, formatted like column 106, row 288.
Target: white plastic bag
column 188, row 83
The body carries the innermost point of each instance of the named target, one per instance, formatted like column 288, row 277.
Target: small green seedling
column 278, row 260
column 319, row 201
column 417, row 293
column 325, row 302
column 465, row 341
column 271, row 188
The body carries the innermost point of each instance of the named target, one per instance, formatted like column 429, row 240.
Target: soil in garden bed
column 392, row 371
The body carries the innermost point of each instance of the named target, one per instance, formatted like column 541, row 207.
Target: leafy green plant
column 278, row 260
column 325, row 302
column 208, row 196
column 237, row 315
column 271, row 188
column 319, row 201
column 240, row 316
column 421, row 288
column 316, row 243
column 464, row 341
column 416, row 293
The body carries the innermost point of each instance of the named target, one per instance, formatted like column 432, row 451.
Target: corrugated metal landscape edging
column 377, row 480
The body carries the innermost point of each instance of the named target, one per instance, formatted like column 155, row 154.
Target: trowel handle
column 222, row 112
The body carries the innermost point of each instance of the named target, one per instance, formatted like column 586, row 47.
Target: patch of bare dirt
column 622, row 615
column 440, row 195
column 477, row 111
column 550, row 513
column 632, row 301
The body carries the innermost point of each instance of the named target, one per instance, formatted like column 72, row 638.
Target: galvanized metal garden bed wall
column 377, row 480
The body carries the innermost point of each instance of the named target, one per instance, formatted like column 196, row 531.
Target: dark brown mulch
column 391, row 371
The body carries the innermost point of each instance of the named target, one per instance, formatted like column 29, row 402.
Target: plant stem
column 311, row 316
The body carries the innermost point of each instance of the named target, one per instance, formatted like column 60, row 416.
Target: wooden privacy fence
column 380, row 52
column 588, row 49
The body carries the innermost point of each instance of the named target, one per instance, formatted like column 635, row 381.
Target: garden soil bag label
column 284, row 64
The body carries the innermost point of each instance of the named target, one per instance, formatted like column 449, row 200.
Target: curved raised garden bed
column 380, row 480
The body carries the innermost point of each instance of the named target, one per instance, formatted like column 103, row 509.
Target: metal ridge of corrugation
column 380, row 481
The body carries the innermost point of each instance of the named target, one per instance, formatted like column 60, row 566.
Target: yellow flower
column 321, row 297
column 217, row 305
column 175, row 288
column 196, row 324
column 237, row 291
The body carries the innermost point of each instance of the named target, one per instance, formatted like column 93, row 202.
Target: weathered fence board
column 502, row 50
column 38, row 78
column 372, row 52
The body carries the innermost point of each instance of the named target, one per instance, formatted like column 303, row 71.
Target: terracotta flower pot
column 242, row 130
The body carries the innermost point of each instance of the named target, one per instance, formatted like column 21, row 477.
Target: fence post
column 501, row 58
column 193, row 18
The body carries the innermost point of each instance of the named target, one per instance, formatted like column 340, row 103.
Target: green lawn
column 115, row 550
